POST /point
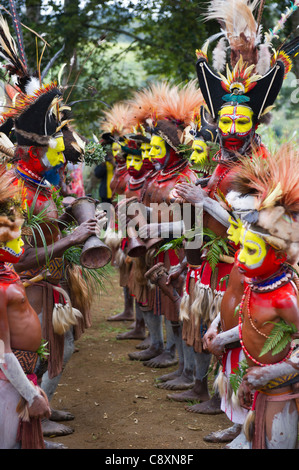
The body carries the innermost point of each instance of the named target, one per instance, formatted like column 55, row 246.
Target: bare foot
column 165, row 359
column 171, row 375
column 144, row 344
column 180, row 383
column 132, row 334
column 209, row 407
column 187, row 396
column 52, row 429
column 124, row 316
column 146, row 354
column 59, row 415
column 226, row 435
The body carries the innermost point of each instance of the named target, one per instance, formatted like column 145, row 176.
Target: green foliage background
column 145, row 40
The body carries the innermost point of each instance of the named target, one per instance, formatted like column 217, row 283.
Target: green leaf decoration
column 216, row 245
column 237, row 310
column 172, row 245
column 279, row 338
column 94, row 154
column 238, row 374
column 43, row 351
column 223, row 280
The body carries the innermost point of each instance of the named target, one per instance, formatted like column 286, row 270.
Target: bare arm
column 35, row 257
column 196, row 195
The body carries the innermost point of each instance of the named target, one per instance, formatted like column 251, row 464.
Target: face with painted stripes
column 235, row 125
column 257, row 258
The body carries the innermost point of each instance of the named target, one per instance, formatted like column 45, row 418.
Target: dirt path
column 114, row 400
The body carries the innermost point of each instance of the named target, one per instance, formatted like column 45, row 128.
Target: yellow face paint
column 116, row 149
column 158, row 148
column 15, row 245
column 200, row 152
column 145, row 150
column 235, row 120
column 234, row 230
column 253, row 249
column 134, row 162
column 55, row 155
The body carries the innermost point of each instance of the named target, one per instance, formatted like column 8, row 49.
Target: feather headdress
column 273, row 206
column 30, row 103
column 239, row 27
column 116, row 120
column 181, row 103
column 257, row 72
column 176, row 111
column 144, row 104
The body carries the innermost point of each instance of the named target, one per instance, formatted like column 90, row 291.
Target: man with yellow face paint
column 145, row 148
column 200, row 152
column 270, row 297
column 139, row 173
column 120, row 174
column 29, row 171
column 236, row 127
column 134, row 165
column 170, row 169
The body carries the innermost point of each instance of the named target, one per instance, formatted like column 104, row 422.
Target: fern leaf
column 279, row 337
column 237, row 376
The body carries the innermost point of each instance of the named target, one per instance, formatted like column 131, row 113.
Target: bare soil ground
column 115, row 401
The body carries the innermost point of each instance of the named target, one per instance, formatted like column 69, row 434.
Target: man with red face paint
column 22, row 404
column 36, row 121
column 139, row 168
column 269, row 239
column 269, row 298
column 171, row 168
column 238, row 103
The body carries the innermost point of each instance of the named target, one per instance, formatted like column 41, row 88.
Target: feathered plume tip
column 239, row 28
column 144, row 104
column 26, row 82
column 274, row 32
column 180, row 103
column 9, row 51
column 273, row 182
column 116, row 120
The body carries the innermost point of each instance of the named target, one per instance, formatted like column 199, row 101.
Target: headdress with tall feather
column 257, row 74
column 115, row 120
column 32, row 105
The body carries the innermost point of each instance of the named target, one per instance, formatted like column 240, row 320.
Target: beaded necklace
column 246, row 352
column 167, row 174
column 28, row 176
column 212, row 191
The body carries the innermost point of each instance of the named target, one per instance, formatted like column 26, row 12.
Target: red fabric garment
column 223, row 269
column 234, row 359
